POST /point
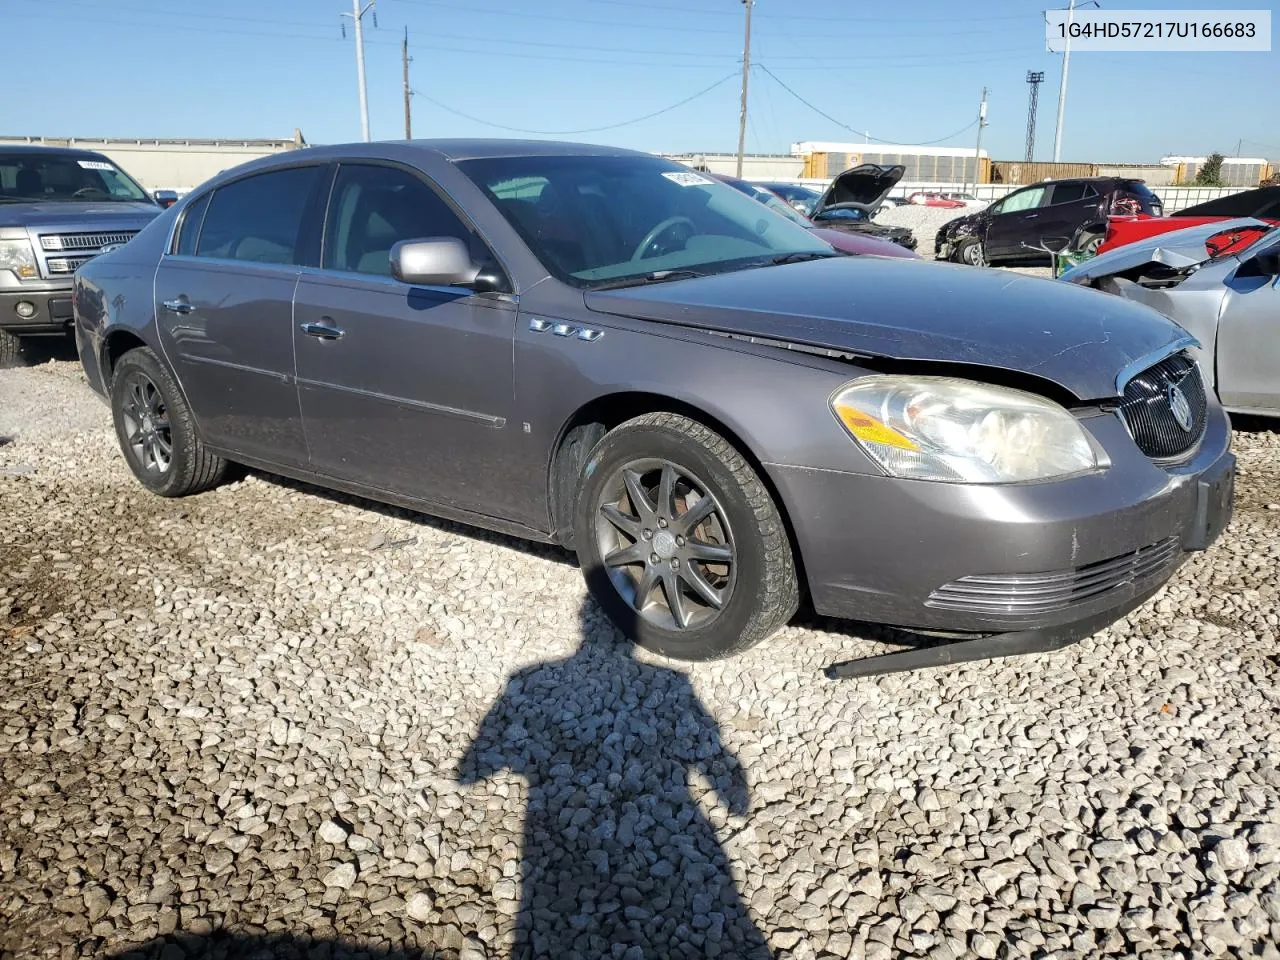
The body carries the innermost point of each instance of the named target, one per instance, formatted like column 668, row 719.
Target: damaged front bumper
column 1005, row 569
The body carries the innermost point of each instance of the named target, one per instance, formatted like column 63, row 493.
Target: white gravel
column 270, row 710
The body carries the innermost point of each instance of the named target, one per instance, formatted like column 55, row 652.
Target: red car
column 924, row 199
column 1262, row 204
column 844, row 241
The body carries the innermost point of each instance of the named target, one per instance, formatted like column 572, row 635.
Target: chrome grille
column 83, row 241
column 62, row 266
column 1149, row 408
column 1035, row 594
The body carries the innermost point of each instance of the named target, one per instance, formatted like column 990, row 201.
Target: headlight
column 958, row 431
column 17, row 255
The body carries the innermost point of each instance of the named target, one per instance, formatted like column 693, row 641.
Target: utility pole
column 746, row 69
column 1034, row 78
column 404, row 56
column 977, row 151
column 357, row 17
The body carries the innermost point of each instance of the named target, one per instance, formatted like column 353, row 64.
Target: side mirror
column 166, row 198
column 1267, row 263
column 433, row 262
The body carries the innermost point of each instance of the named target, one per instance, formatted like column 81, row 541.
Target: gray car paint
column 1232, row 317
column 868, row 545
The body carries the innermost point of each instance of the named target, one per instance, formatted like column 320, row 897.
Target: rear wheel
column 1089, row 244
column 10, row 350
column 680, row 542
column 156, row 431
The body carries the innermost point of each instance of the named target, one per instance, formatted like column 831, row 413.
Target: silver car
column 1221, row 282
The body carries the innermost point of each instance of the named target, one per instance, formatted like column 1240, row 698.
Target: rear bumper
column 51, row 305
column 1044, row 560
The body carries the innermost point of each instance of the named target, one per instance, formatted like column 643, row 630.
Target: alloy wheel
column 666, row 544
column 973, row 254
column 146, row 424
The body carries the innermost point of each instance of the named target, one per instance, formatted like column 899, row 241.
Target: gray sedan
column 1221, row 282
column 720, row 415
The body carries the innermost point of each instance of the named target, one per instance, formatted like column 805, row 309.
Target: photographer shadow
column 618, row 859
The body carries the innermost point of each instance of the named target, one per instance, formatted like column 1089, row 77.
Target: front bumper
column 52, row 303
column 1044, row 560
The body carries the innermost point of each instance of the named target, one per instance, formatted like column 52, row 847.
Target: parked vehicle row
column 717, row 411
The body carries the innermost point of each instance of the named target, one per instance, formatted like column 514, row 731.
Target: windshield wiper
column 657, row 276
column 801, row 256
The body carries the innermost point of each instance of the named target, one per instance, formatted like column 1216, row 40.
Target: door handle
column 322, row 331
column 1031, row 216
column 181, row 306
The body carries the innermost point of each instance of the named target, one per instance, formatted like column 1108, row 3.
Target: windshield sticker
column 686, row 178
column 95, row 165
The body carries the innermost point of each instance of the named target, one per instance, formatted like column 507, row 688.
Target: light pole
column 746, row 69
column 1062, row 87
column 357, row 17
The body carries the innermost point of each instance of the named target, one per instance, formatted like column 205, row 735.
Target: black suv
column 1045, row 217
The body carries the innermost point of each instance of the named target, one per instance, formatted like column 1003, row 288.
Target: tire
column 756, row 582
column 169, row 459
column 1090, row 242
column 970, row 252
column 10, row 350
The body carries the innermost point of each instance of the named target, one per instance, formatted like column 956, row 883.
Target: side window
column 1022, row 200
column 192, row 217
column 375, row 207
column 1069, row 193
column 258, row 218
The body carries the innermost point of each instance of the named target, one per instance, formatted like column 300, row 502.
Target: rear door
column 1068, row 207
column 224, row 307
column 407, row 389
column 1016, row 220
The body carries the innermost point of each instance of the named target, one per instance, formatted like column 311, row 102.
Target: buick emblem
column 109, row 247
column 1179, row 406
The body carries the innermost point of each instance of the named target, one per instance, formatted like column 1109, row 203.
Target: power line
column 838, row 123
column 558, row 133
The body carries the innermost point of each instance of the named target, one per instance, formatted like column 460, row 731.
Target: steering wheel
column 85, row 191
column 659, row 230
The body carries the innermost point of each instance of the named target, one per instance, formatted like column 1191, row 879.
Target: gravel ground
column 290, row 715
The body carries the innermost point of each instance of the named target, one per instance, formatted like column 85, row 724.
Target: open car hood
column 1178, row 252
column 895, row 309
column 864, row 186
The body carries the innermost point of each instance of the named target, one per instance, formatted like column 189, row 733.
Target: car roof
column 40, row 150
column 485, row 148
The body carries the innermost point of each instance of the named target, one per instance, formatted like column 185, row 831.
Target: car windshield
column 602, row 219
column 63, row 177
column 841, row 213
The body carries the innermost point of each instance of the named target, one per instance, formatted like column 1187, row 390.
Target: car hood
column 1079, row 339
column 962, row 226
column 864, row 186
column 848, row 241
column 1179, row 250
column 61, row 213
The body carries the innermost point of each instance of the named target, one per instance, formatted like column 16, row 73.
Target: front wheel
column 10, row 350
column 156, row 431
column 680, row 542
column 970, row 251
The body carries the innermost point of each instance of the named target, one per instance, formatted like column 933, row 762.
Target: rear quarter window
column 189, row 229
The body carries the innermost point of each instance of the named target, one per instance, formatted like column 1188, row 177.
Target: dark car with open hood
column 854, row 197
column 720, row 414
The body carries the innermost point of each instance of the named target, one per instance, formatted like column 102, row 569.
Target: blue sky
column 906, row 72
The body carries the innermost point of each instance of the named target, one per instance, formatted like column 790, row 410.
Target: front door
column 1015, row 221
column 224, row 307
column 405, row 389
column 1248, row 350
